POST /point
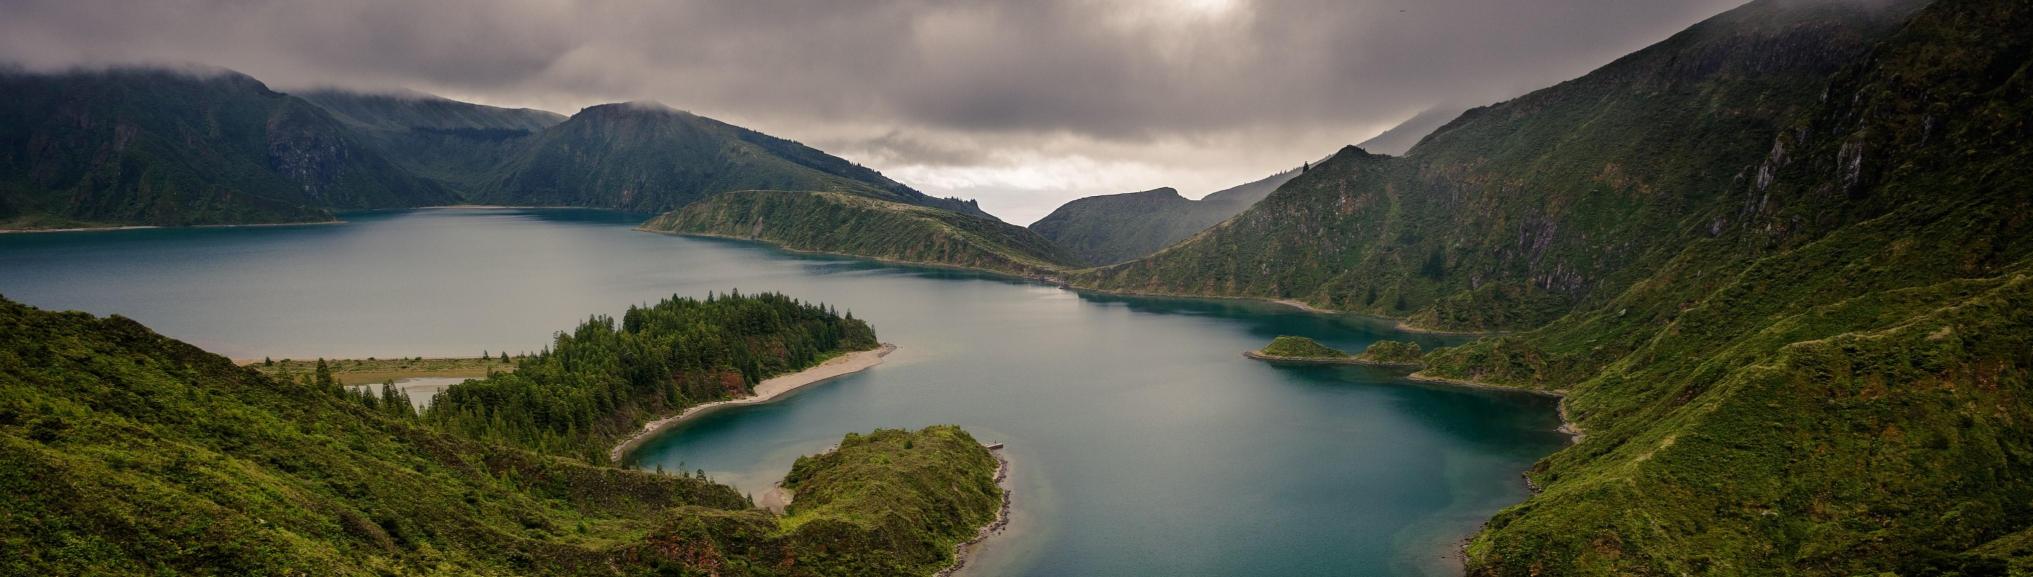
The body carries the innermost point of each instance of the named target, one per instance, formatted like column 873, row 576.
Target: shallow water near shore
column 1145, row 443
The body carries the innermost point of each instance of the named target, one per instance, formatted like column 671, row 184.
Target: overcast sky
column 1023, row 104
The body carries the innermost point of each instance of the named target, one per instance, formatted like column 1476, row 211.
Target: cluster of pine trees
column 600, row 382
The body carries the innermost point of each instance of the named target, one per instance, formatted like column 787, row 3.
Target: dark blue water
column 1143, row 442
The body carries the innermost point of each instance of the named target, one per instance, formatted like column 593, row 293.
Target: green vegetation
column 1516, row 213
column 1383, row 353
column 1395, row 352
column 456, row 144
column 848, row 496
column 862, row 226
column 601, row 382
column 377, row 371
column 645, row 157
column 1300, row 348
column 128, row 453
column 1835, row 382
column 130, row 146
column 1114, row 228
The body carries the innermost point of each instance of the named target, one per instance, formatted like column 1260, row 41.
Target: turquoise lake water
column 1143, row 443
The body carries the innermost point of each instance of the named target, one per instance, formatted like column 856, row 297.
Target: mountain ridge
column 1114, row 228
column 161, row 147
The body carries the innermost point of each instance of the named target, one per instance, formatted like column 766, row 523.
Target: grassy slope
column 128, row 453
column 1300, row 347
column 861, row 226
column 1515, row 213
column 1836, row 381
column 135, row 146
column 848, row 497
column 377, row 371
column 1113, row 228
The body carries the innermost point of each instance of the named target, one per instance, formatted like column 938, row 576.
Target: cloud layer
column 1023, row 104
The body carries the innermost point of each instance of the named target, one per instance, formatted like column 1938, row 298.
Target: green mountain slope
column 857, row 225
column 1837, row 381
column 127, row 453
column 457, row 144
column 1513, row 214
column 138, row 146
column 650, row 158
column 1114, row 228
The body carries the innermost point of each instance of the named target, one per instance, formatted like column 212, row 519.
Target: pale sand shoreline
column 966, row 549
column 766, row 391
column 1353, row 360
column 153, row 227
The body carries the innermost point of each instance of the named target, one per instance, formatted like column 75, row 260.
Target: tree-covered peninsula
column 136, row 454
column 600, row 382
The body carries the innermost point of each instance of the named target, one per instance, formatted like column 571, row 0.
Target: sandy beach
column 765, row 391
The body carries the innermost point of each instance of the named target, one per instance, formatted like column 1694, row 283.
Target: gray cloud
column 1023, row 103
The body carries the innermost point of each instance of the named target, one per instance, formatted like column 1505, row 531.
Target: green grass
column 376, row 371
column 1389, row 351
column 1300, row 348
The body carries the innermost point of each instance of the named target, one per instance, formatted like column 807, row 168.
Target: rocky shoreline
column 966, row 549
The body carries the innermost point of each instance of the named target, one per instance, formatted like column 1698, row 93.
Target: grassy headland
column 1304, row 350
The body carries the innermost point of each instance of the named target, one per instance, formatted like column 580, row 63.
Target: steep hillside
column 139, row 146
column 650, row 158
column 1838, row 378
column 1515, row 213
column 861, row 226
column 1114, row 228
column 456, row 143
column 127, row 453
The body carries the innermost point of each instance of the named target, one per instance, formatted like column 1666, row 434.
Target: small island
column 1302, row 350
